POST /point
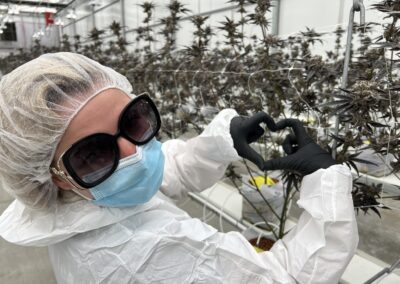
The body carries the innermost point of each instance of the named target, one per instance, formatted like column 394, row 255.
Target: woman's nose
column 126, row 148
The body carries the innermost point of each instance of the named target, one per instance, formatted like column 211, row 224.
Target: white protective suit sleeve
column 199, row 162
column 322, row 244
column 325, row 239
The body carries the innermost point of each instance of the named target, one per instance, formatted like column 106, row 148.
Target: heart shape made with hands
column 246, row 130
column 304, row 155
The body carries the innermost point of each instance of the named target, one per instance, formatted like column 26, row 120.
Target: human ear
column 65, row 185
column 60, row 183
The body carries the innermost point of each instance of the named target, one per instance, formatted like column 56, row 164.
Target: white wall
column 323, row 16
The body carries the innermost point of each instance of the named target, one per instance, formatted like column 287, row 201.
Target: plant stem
column 283, row 214
column 259, row 192
column 390, row 75
column 258, row 212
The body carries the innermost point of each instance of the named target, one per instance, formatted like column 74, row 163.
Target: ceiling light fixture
column 25, row 9
column 59, row 22
column 71, row 14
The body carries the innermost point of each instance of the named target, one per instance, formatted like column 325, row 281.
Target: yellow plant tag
column 258, row 250
column 309, row 120
column 258, row 181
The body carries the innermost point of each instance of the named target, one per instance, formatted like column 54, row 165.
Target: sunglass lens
column 93, row 158
column 140, row 121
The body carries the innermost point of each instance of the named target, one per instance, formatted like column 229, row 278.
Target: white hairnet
column 37, row 102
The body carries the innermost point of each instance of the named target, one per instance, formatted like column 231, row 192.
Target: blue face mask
column 136, row 179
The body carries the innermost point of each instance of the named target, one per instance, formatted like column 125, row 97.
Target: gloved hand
column 245, row 130
column 304, row 155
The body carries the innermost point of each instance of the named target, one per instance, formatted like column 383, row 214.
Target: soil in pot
column 264, row 244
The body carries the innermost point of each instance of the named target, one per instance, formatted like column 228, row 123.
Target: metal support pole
column 236, row 223
column 74, row 23
column 60, row 33
column 93, row 16
column 340, row 16
column 24, row 39
column 275, row 17
column 359, row 7
column 74, row 28
column 384, row 271
column 123, row 19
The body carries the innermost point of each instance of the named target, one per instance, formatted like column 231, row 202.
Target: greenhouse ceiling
column 14, row 7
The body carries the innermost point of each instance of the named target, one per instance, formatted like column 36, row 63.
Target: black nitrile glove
column 304, row 155
column 245, row 130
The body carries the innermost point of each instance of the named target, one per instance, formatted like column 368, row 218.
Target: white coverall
column 158, row 243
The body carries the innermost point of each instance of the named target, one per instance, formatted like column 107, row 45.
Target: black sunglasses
column 94, row 158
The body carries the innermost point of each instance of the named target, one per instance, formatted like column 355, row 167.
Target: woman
column 92, row 183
